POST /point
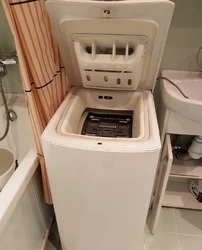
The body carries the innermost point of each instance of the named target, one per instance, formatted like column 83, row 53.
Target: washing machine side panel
column 101, row 199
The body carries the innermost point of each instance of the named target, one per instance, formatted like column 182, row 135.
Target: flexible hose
column 197, row 58
column 6, row 111
column 171, row 82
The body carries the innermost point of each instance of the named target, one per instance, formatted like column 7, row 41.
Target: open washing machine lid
column 111, row 44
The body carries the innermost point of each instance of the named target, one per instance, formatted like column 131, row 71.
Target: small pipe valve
column 8, row 61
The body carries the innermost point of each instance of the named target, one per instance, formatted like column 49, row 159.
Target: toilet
column 102, row 145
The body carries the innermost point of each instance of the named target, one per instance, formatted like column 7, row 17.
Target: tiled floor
column 50, row 246
column 178, row 229
column 54, row 238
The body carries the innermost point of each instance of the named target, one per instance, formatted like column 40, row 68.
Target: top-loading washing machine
column 102, row 145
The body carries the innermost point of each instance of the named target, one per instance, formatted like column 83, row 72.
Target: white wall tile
column 184, row 37
column 180, row 58
column 6, row 38
column 20, row 138
column 12, row 82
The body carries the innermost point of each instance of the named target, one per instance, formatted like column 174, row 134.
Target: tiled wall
column 184, row 39
column 20, row 138
column 12, row 82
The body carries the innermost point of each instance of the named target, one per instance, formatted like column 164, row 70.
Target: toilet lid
column 111, row 44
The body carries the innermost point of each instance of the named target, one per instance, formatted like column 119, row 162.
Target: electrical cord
column 197, row 58
column 165, row 78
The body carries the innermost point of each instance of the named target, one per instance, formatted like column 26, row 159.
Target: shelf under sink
column 177, row 195
column 187, row 169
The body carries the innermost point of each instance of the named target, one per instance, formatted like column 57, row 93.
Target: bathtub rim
column 15, row 187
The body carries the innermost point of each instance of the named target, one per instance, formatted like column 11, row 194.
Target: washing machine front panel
column 101, row 199
column 100, row 186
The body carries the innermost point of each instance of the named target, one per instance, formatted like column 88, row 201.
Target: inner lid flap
column 111, row 45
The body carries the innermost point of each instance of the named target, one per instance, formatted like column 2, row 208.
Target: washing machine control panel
column 110, row 60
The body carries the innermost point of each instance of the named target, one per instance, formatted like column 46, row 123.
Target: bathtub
column 25, row 219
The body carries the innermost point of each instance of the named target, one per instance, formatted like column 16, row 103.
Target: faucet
column 7, row 61
column 3, row 62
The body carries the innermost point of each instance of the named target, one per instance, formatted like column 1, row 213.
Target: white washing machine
column 102, row 145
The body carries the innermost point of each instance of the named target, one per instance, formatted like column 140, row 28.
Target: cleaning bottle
column 196, row 190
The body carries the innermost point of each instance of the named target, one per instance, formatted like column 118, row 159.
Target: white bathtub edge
column 15, row 187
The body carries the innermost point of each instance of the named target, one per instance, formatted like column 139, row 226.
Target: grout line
column 174, row 217
column 191, row 235
column 174, row 220
column 178, row 237
column 162, row 232
column 180, row 234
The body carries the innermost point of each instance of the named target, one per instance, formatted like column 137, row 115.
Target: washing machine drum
column 108, row 123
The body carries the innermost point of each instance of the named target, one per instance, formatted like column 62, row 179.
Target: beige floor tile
column 162, row 241
column 188, row 221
